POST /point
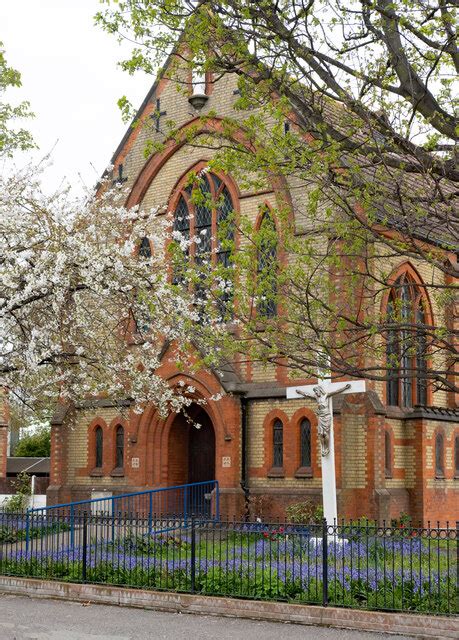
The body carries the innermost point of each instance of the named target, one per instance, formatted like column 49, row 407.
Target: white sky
column 70, row 77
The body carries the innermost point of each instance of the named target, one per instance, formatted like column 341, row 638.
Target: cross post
column 120, row 178
column 158, row 114
column 322, row 393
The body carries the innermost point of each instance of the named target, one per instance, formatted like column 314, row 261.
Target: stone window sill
column 303, row 472
column 276, row 472
column 96, row 473
column 117, row 473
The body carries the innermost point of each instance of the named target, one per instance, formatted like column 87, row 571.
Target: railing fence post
column 27, row 530
column 185, row 504
column 324, row 563
column 193, row 554
column 150, row 516
column 113, row 519
column 72, row 526
column 85, row 546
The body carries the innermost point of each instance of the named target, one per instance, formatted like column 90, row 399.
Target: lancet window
column 406, row 344
column 267, row 267
column 204, row 215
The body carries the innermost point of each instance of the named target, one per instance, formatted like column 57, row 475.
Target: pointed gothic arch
column 407, row 310
column 267, row 263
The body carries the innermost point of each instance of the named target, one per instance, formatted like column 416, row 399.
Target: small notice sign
column 226, row 461
column 135, row 463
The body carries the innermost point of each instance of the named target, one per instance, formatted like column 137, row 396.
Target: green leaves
column 12, row 138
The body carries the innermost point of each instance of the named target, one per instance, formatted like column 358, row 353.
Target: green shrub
column 305, row 512
column 37, row 444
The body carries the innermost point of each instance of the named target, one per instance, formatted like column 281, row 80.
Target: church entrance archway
column 191, row 450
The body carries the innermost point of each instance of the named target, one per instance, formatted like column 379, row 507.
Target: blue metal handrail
column 188, row 501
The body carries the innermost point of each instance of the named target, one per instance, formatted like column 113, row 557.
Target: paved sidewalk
column 23, row 618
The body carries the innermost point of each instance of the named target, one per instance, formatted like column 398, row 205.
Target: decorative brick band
column 422, row 626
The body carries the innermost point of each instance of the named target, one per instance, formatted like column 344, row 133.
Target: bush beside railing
column 351, row 565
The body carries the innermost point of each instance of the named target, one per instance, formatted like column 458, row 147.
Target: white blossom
column 81, row 314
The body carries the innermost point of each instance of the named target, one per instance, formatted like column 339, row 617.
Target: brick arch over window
column 97, row 434
column 303, row 431
column 275, row 428
column 407, row 309
column 195, row 127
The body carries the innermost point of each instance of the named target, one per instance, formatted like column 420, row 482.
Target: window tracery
column 406, row 344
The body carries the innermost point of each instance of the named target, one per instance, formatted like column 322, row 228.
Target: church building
column 396, row 449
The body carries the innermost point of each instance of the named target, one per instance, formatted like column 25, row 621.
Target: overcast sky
column 70, row 76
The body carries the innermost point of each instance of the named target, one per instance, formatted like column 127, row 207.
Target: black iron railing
column 351, row 565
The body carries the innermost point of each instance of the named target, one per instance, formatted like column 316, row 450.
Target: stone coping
column 421, row 626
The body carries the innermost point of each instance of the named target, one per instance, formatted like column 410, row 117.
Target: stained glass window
column 278, row 443
column 145, row 248
column 305, row 443
column 99, row 437
column 406, row 345
column 204, row 214
column 267, row 267
column 119, row 457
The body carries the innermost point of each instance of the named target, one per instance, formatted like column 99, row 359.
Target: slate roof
column 30, row 465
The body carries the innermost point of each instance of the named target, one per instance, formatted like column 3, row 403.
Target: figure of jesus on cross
column 322, row 393
column 324, row 412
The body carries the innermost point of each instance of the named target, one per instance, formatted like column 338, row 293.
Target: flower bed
column 396, row 573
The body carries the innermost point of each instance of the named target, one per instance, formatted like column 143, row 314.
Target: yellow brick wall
column 221, row 101
column 77, row 443
column 354, row 452
column 256, row 450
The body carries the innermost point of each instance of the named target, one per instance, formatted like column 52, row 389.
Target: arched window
column 439, row 456
column 456, row 457
column 203, row 213
column 305, row 444
column 119, row 447
column 267, row 267
column 278, row 444
column 145, row 248
column 99, row 444
column 387, row 455
column 406, row 344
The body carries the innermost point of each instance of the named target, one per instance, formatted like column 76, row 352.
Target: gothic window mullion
column 408, row 342
column 393, row 392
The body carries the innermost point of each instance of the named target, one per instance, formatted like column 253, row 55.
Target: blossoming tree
column 84, row 313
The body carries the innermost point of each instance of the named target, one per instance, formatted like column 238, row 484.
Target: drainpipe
column 244, row 464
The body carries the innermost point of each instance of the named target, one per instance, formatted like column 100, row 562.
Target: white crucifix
column 322, row 393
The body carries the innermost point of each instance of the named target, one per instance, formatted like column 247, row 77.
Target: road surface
column 23, row 618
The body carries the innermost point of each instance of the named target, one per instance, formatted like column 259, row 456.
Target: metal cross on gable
column 322, row 393
column 120, row 178
column 158, row 114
